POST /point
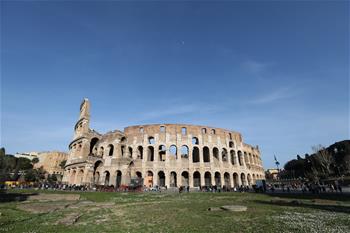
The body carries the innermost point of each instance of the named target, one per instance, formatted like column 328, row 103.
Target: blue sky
column 276, row 71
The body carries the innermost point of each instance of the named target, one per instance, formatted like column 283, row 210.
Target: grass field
column 172, row 212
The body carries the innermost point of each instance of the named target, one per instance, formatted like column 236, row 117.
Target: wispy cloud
column 180, row 109
column 255, row 67
column 275, row 95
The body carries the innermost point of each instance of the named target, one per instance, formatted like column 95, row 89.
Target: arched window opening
column 162, row 129
column 240, row 158
column 207, row 179
column 184, row 152
column 149, row 179
column 235, row 180
column 249, row 179
column 204, row 130
column 230, row 136
column 213, row 131
column 151, row 140
column 141, row 129
column 216, row 153
column 224, row 155
column 101, row 151
column 195, row 141
column 118, row 179
column 227, row 180
column 123, row 140
column 183, row 131
column 246, row 158
column 231, row 144
column 217, row 179
column 139, row 175
column 150, row 153
column 243, row 180
column 140, row 152
column 130, row 152
column 107, row 175
column 184, row 178
column 162, row 151
column 196, row 179
column 195, row 155
column 173, row 152
column 161, row 179
column 173, row 179
column 122, row 149
column 110, row 149
column 206, row 154
column 233, row 157
column 92, row 144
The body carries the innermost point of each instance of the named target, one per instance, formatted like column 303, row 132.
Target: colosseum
column 163, row 155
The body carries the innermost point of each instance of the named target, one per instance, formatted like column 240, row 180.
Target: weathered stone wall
column 169, row 155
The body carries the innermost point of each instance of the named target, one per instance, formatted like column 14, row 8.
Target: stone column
column 202, row 179
column 190, row 179
column 167, row 179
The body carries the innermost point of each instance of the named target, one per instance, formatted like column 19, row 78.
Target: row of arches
column 195, row 179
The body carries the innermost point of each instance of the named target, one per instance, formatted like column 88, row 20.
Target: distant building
column 272, row 174
column 50, row 162
column 28, row 155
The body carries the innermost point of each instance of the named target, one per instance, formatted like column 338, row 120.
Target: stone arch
column 235, row 180
column 97, row 178
column 138, row 175
column 150, row 153
column 173, row 179
column 233, row 157
column 243, row 179
column 149, row 179
column 183, row 130
column 151, row 140
column 231, row 144
column 173, row 152
column 140, row 152
column 184, row 178
column 161, row 179
column 97, row 171
column 206, row 155
column 110, row 149
column 118, row 179
column 107, row 176
column 72, row 177
column 80, row 177
column 130, row 151
column 161, row 152
column 249, row 179
column 195, row 141
column 246, row 159
column 196, row 179
column 216, row 153
column 184, row 151
column 224, row 155
column 207, row 179
column 217, row 179
column 195, row 154
column 240, row 158
column 93, row 142
column 101, row 151
column 227, row 180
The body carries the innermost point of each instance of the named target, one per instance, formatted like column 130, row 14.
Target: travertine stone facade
column 169, row 155
column 50, row 162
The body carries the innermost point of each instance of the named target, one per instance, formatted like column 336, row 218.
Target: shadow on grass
column 308, row 196
column 9, row 197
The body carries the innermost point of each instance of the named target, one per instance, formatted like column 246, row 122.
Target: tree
column 35, row 160
column 2, row 151
column 323, row 160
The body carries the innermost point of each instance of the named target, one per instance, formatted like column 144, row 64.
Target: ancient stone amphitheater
column 163, row 155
